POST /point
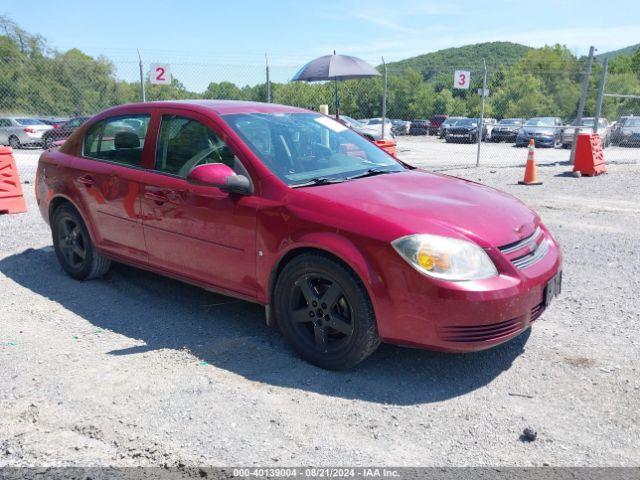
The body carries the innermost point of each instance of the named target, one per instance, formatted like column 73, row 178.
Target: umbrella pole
column 335, row 85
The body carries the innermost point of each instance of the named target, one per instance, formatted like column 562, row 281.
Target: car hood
column 389, row 206
column 534, row 130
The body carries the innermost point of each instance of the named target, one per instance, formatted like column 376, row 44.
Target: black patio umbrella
column 335, row 67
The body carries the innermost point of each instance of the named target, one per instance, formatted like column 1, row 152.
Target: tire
column 73, row 246
column 337, row 342
column 14, row 142
column 48, row 142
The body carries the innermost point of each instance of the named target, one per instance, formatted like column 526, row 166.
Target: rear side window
column 29, row 121
column 117, row 139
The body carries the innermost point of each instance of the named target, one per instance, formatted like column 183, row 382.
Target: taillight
column 30, row 130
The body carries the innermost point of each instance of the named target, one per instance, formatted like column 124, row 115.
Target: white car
column 22, row 131
column 586, row 126
column 373, row 127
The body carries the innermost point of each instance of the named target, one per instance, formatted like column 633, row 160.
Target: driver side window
column 184, row 143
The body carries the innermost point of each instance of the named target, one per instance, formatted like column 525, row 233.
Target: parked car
column 55, row 122
column 400, row 127
column 629, row 134
column 545, row 131
column 465, row 130
column 343, row 244
column 376, row 124
column 419, row 127
column 586, row 126
column 62, row 132
column 616, row 128
column 506, row 130
column 446, row 124
column 489, row 124
column 372, row 132
column 18, row 132
column 435, row 122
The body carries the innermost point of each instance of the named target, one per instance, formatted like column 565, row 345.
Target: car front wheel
column 73, row 246
column 324, row 311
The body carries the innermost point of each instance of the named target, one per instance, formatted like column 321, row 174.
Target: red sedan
column 344, row 245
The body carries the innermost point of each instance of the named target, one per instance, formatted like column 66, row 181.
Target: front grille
column 480, row 333
column 527, row 251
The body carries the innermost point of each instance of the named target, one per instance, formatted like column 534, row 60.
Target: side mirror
column 220, row 176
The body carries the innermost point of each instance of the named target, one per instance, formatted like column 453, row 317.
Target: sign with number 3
column 461, row 79
column 160, row 74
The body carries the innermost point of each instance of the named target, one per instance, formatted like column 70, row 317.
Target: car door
column 197, row 232
column 107, row 177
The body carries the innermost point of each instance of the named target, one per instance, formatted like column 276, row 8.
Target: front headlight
column 445, row 258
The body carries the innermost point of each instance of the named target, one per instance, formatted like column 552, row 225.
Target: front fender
column 343, row 248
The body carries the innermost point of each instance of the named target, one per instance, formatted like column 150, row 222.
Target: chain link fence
column 537, row 99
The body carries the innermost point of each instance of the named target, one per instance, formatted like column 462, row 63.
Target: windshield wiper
column 371, row 172
column 318, row 181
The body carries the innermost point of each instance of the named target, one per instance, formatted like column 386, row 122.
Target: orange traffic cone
column 530, row 172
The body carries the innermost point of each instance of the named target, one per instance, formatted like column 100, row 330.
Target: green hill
column 614, row 53
column 468, row 57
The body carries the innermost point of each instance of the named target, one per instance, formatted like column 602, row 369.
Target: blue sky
column 233, row 35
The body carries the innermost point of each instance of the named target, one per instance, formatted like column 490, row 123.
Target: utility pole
column 384, row 97
column 144, row 96
column 603, row 79
column 481, row 124
column 266, row 59
column 583, row 99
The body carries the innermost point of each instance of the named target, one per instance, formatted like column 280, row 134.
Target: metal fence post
column 144, row 96
column 266, row 59
column 583, row 99
column 481, row 124
column 603, row 79
column 384, row 97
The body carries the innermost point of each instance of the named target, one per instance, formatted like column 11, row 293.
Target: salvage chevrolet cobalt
column 345, row 245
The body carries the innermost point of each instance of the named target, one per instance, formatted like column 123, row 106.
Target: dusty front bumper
column 467, row 316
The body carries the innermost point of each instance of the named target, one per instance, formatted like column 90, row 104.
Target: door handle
column 86, row 180
column 156, row 197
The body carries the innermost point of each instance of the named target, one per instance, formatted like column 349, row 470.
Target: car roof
column 221, row 107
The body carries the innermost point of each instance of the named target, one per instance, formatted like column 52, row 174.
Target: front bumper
column 539, row 141
column 633, row 139
column 465, row 316
column 503, row 136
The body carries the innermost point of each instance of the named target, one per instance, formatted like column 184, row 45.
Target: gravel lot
column 137, row 369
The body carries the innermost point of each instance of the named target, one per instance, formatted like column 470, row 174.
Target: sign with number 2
column 160, row 74
column 461, row 79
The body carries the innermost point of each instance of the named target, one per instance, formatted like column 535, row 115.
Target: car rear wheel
column 73, row 246
column 324, row 311
column 48, row 142
column 14, row 142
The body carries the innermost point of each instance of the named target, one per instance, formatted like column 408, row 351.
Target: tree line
column 36, row 79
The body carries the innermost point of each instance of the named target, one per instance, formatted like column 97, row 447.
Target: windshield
column 451, row 120
column 540, row 122
column 632, row 122
column 586, row 122
column 510, row 121
column 302, row 147
column 465, row 122
column 29, row 121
